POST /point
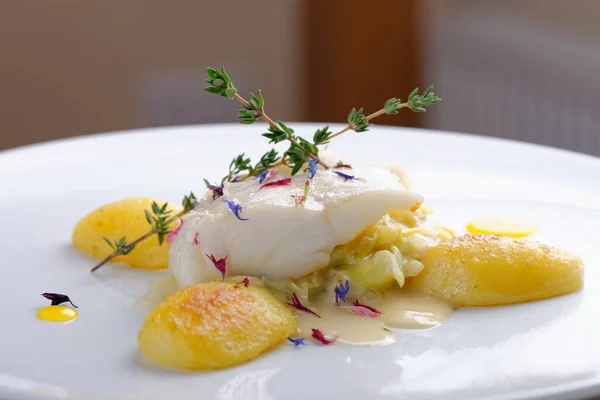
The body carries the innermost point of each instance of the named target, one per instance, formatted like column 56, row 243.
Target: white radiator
column 499, row 76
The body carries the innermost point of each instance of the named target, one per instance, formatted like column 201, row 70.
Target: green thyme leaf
column 107, row 240
column 189, row 202
column 321, row 136
column 391, row 106
column 276, row 135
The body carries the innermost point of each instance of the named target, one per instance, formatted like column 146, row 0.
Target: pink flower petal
column 196, row 241
column 244, row 282
column 280, row 182
column 317, row 334
column 363, row 310
column 174, row 232
column 220, row 265
column 296, row 303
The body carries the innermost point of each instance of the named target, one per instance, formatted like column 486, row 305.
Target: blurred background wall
column 524, row 70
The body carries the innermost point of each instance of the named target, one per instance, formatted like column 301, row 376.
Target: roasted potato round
column 215, row 325
column 123, row 218
column 485, row 270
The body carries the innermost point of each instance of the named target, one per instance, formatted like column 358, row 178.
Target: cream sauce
column 399, row 308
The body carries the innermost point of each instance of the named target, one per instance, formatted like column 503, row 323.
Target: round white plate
column 547, row 349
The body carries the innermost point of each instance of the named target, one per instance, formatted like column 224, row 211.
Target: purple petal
column 340, row 291
column 345, row 176
column 312, row 166
column 235, row 209
column 262, row 176
column 297, row 342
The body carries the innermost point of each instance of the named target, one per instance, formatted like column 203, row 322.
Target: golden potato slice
column 123, row 218
column 215, row 325
column 483, row 270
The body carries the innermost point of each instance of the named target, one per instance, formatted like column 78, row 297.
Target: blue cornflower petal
column 341, row 291
column 312, row 165
column 345, row 176
column 263, row 176
column 297, row 342
column 235, row 209
column 236, row 179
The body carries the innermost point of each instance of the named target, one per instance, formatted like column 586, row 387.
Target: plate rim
column 21, row 388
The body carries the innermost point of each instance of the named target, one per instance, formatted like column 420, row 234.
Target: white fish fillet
column 281, row 240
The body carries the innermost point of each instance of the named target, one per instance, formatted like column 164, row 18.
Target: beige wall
column 72, row 67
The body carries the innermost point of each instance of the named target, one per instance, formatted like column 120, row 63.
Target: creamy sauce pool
column 399, row 308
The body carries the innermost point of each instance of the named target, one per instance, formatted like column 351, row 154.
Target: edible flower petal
column 262, row 176
column 296, row 303
column 297, row 342
column 57, row 298
column 244, row 282
column 235, row 209
column 174, row 232
column 299, row 200
column 236, row 179
column 362, row 310
column 266, row 175
column 317, row 334
column 220, row 265
column 342, row 165
column 312, row 168
column 280, row 182
column 341, row 290
column 196, row 240
column 345, row 176
column 217, row 191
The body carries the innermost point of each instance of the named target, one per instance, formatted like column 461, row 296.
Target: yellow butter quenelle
column 215, row 325
column 123, row 218
column 503, row 226
column 485, row 270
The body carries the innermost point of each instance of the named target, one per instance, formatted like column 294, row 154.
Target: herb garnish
column 57, row 299
column 159, row 219
column 299, row 152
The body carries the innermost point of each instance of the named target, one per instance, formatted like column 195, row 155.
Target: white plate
column 547, row 349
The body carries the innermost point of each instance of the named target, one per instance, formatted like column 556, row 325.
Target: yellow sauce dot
column 57, row 314
column 503, row 226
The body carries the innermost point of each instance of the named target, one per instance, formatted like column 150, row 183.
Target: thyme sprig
column 300, row 150
column 159, row 218
column 416, row 102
